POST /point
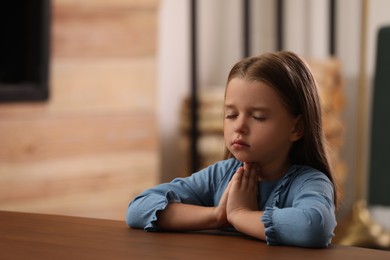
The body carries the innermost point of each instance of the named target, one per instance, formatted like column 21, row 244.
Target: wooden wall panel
column 132, row 4
column 101, row 32
column 104, row 85
column 91, row 185
column 93, row 146
column 56, row 136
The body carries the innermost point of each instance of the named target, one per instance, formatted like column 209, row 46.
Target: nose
column 241, row 126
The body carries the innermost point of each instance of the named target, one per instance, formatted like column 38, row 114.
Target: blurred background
column 108, row 113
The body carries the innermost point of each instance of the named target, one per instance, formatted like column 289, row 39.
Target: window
column 24, row 50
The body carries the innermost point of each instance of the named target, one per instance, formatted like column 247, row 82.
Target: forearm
column 299, row 227
column 249, row 222
column 178, row 216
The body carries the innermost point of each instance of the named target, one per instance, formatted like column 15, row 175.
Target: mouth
column 239, row 144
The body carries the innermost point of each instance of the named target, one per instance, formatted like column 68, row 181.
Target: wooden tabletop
column 38, row 236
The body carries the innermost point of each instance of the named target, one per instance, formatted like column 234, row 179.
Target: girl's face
column 257, row 127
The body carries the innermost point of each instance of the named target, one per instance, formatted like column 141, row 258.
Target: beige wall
column 93, row 145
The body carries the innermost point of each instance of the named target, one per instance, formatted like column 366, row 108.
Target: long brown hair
column 289, row 75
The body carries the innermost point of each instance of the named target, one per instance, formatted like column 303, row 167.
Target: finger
column 254, row 174
column 237, row 178
column 250, row 179
column 226, row 192
column 225, row 195
column 252, row 182
column 238, row 174
column 247, row 166
column 245, row 180
column 257, row 171
column 252, row 169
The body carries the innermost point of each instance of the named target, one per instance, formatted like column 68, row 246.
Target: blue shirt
column 298, row 208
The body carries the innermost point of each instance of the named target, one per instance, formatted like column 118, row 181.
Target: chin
column 242, row 158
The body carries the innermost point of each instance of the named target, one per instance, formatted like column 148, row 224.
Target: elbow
column 131, row 218
column 318, row 232
column 142, row 215
column 315, row 237
column 136, row 216
column 310, row 228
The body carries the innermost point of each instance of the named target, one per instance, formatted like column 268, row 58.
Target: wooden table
column 38, row 236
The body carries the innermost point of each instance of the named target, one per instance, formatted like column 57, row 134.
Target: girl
column 276, row 183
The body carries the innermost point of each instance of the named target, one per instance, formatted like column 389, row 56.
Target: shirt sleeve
column 309, row 221
column 202, row 188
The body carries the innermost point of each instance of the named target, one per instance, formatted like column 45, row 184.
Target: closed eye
column 230, row 116
column 260, row 118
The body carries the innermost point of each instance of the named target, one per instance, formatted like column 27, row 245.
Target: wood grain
column 92, row 186
column 38, row 236
column 51, row 137
column 104, row 29
column 94, row 145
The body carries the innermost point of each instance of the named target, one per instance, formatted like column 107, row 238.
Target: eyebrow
column 259, row 108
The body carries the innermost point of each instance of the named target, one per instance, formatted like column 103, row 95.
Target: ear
column 298, row 130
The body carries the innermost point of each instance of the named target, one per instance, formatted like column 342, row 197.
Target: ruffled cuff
column 170, row 197
column 270, row 230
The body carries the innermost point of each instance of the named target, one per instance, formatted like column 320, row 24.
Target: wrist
column 220, row 218
column 248, row 222
column 236, row 216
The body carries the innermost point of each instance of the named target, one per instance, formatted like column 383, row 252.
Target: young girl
column 276, row 183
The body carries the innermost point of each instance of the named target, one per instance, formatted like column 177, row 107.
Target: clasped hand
column 240, row 196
